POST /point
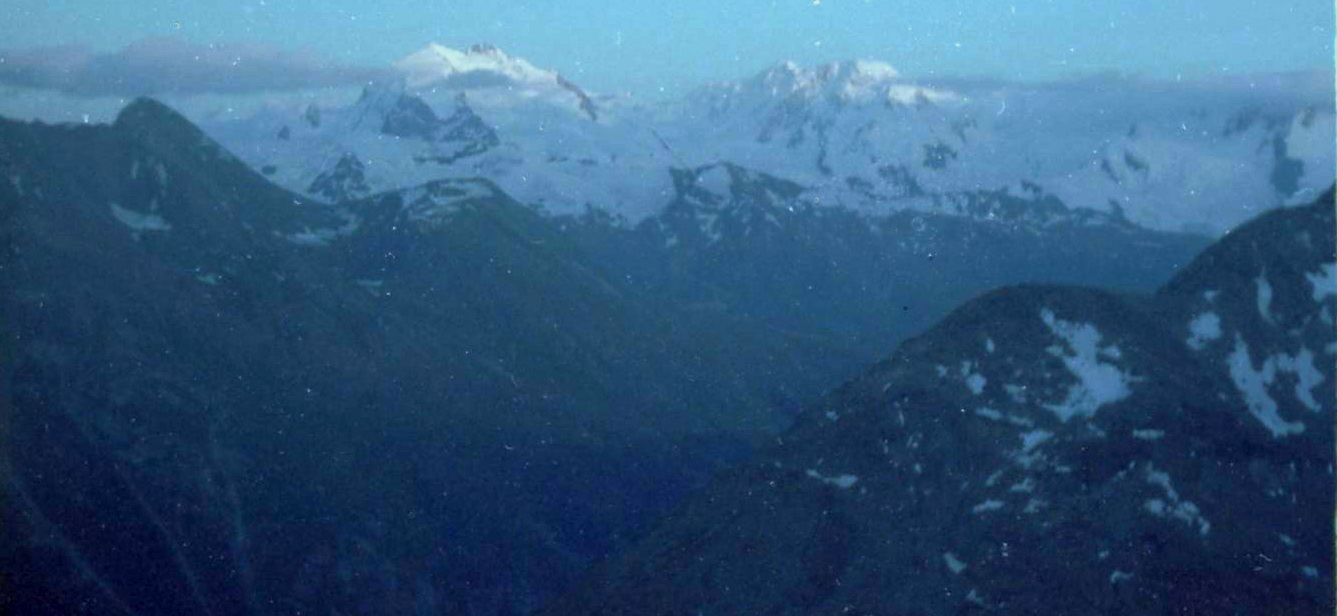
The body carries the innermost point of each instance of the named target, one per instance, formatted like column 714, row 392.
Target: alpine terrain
column 440, row 343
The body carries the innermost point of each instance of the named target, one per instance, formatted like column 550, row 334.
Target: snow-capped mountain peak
column 845, row 81
column 790, row 75
column 483, row 66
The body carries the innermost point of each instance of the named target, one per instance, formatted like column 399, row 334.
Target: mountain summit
column 844, row 81
column 484, row 66
column 480, row 65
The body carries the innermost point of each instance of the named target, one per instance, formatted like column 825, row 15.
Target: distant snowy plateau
column 1200, row 156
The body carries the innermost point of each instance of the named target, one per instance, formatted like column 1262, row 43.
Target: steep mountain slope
column 561, row 326
column 1044, row 449
column 222, row 397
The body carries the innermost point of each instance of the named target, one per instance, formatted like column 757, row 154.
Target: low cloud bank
column 159, row 66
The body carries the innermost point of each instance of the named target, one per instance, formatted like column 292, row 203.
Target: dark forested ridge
column 220, row 397
column 1043, row 449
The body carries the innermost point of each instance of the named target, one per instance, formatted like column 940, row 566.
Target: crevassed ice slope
column 1199, row 156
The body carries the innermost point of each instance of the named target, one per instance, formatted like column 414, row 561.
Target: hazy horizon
column 665, row 50
column 75, row 83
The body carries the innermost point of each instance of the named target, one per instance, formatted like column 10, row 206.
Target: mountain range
column 853, row 135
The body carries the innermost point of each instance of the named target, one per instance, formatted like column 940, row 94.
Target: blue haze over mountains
column 443, row 348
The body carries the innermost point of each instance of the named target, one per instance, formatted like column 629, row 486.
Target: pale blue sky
column 642, row 46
